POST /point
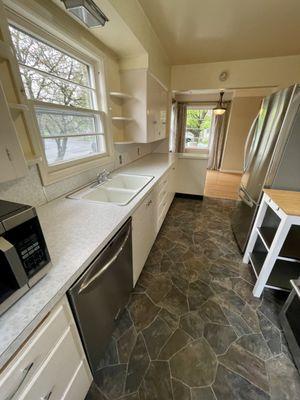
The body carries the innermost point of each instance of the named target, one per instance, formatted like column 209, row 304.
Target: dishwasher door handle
column 90, row 279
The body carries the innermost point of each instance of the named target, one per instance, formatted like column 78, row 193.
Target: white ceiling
column 194, row 31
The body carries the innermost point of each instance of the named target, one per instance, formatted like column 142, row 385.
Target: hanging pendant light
column 220, row 109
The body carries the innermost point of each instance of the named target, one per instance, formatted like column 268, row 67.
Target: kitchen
column 121, row 278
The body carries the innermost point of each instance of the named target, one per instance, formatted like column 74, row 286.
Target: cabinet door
column 12, row 161
column 152, row 107
column 143, row 234
column 163, row 106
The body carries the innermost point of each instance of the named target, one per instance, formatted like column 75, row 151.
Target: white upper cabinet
column 147, row 106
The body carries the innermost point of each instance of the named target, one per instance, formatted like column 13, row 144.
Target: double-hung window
column 65, row 98
column 198, row 128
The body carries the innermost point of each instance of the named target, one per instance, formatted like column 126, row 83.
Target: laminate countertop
column 75, row 232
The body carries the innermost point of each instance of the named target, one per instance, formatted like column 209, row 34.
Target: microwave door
column 13, row 283
column 13, row 261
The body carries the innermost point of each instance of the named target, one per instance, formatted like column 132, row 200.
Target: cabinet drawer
column 79, row 385
column 22, row 368
column 53, row 379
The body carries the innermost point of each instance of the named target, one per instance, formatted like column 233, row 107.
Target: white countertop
column 75, row 231
column 193, row 156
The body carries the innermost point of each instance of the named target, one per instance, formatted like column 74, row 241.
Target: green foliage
column 198, row 123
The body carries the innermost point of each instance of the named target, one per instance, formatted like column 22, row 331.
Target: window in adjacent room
column 198, row 128
column 65, row 97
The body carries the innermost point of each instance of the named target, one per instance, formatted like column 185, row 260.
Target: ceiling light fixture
column 220, row 109
column 87, row 11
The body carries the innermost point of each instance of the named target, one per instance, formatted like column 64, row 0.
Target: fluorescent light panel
column 87, row 11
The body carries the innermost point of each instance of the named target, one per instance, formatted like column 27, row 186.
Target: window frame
column 96, row 62
column 204, row 150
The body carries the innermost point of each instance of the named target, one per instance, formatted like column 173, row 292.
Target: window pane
column 52, row 90
column 56, row 123
column 37, row 54
column 66, row 149
column 198, row 126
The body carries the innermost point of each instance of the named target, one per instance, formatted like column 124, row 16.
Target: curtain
column 217, row 139
column 173, row 127
column 179, row 132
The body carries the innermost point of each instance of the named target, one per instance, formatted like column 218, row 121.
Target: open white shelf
column 125, row 142
column 5, row 51
column 18, row 107
column 33, row 161
column 120, row 95
column 125, row 119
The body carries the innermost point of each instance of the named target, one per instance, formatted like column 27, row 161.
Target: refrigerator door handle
column 250, row 136
column 247, row 198
column 244, row 199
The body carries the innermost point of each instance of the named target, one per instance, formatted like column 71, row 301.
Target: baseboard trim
column 189, row 196
column 230, row 171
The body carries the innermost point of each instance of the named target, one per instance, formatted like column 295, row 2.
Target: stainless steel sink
column 120, row 189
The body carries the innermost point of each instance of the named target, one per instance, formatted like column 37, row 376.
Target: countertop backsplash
column 29, row 190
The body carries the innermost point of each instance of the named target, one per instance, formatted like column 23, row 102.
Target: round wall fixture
column 223, row 76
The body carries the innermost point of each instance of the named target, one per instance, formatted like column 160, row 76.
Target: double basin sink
column 120, row 189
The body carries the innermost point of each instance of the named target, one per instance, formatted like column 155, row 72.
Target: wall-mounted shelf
column 125, row 119
column 33, row 161
column 120, row 95
column 18, row 107
column 5, row 51
column 125, row 142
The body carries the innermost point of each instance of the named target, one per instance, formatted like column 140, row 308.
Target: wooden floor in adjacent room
column 222, row 185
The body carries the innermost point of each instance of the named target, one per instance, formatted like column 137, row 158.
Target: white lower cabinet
column 143, row 233
column 148, row 218
column 51, row 365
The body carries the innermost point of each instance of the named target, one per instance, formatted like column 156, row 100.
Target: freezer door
column 269, row 123
column 242, row 218
column 100, row 295
column 285, row 166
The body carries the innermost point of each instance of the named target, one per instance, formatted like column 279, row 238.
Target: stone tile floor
column 192, row 329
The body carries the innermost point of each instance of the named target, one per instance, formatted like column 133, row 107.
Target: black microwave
column 24, row 257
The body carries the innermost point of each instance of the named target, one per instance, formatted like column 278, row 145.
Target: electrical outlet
column 120, row 159
column 138, row 151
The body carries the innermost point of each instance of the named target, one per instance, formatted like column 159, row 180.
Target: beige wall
column 134, row 16
column 276, row 71
column 243, row 111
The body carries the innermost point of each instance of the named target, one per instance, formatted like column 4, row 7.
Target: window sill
column 49, row 177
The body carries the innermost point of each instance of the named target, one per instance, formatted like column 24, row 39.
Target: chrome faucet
column 102, row 176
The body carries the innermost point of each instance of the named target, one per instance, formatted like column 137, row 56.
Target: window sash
column 48, row 74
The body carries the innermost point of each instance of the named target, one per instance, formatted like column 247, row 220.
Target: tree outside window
column 51, row 76
column 198, row 127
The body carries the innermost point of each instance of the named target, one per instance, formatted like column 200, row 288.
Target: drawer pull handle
column 47, row 396
column 25, row 373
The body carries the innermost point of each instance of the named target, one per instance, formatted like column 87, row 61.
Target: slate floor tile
column 156, row 336
column 157, row 382
column 193, row 312
column 219, row 337
column 231, row 386
column 284, row 379
column 240, row 361
column 180, row 390
column 195, row 364
column 204, row 393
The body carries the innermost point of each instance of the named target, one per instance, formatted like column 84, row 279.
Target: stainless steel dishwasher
column 101, row 293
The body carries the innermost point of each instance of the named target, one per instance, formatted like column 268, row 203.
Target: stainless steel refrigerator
column 271, row 157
